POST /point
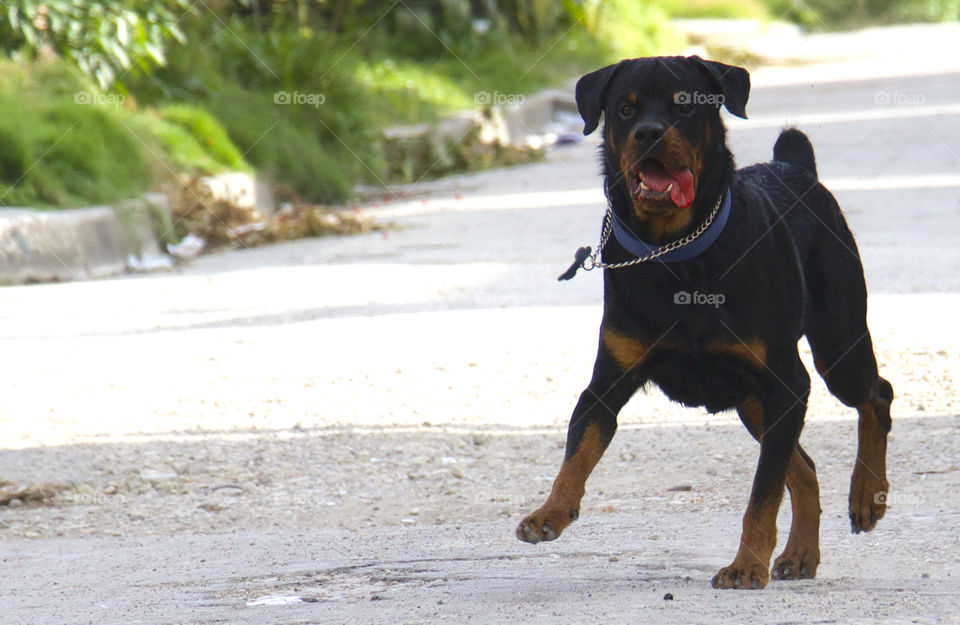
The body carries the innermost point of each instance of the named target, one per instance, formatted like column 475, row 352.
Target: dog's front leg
column 591, row 428
column 784, row 403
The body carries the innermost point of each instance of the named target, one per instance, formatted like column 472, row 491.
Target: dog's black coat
column 786, row 266
column 786, row 263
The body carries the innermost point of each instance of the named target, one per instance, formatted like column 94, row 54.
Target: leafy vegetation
column 306, row 105
column 103, row 98
column 693, row 9
column 106, row 40
column 60, row 151
column 193, row 140
column 838, row 14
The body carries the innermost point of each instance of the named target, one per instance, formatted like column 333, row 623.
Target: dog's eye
column 625, row 110
column 685, row 109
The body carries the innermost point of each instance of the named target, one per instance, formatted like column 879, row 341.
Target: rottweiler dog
column 711, row 277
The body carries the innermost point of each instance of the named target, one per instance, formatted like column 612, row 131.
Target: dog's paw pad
column 798, row 561
column 750, row 576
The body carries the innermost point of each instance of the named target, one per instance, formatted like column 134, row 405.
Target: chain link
column 593, row 260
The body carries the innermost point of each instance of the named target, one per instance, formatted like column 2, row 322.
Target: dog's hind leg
column 851, row 375
column 843, row 353
column 591, row 429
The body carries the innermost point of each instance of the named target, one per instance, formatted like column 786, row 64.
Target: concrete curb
column 80, row 244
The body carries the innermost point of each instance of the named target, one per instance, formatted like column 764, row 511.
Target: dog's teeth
column 669, row 188
column 643, row 186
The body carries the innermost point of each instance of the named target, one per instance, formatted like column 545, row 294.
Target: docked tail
column 793, row 147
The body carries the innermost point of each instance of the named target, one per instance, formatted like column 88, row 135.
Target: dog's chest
column 712, row 374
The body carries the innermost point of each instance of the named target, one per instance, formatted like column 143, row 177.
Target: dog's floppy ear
column 733, row 82
column 592, row 94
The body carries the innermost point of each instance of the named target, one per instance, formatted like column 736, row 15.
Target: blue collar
column 694, row 248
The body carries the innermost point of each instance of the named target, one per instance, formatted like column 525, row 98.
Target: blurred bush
column 192, row 141
column 301, row 90
column 837, row 14
column 62, row 143
column 304, row 89
column 724, row 9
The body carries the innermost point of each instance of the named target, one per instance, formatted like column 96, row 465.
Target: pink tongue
column 658, row 178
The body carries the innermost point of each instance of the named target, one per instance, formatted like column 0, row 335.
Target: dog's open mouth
column 653, row 181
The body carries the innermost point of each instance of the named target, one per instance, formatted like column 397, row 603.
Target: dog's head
column 664, row 144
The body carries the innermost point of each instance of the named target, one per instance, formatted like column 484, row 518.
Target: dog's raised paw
column 544, row 524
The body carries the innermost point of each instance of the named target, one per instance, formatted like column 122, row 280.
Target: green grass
column 826, row 15
column 58, row 149
column 192, row 140
column 65, row 144
column 724, row 9
column 322, row 149
column 214, row 107
column 817, row 14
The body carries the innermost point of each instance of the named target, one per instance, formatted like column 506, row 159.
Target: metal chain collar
column 593, row 260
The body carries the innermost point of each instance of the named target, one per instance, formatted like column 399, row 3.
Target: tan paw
column 868, row 499
column 547, row 523
column 749, row 575
column 796, row 564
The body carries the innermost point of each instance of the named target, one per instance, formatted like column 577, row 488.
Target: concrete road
column 348, row 429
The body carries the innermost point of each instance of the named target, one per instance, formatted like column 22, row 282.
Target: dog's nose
column 648, row 132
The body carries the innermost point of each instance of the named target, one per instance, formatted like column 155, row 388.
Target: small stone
column 212, row 506
column 668, row 597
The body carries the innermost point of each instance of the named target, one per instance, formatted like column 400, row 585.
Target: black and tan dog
column 756, row 259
